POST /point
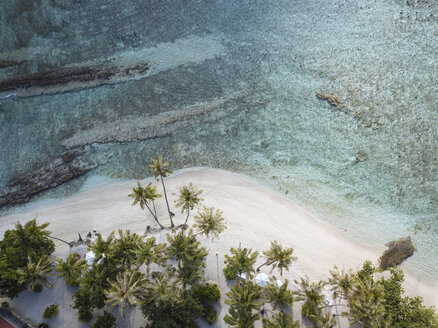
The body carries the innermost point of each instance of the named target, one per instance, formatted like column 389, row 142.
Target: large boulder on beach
column 397, row 252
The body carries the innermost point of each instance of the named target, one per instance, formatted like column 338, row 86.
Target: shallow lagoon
column 368, row 167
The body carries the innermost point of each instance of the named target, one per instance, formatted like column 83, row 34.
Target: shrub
column 85, row 315
column 230, row 273
column 43, row 325
column 107, row 320
column 209, row 314
column 51, row 311
column 38, row 288
column 208, row 293
column 5, row 304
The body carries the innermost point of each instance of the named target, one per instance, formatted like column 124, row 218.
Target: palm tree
column 33, row 236
column 149, row 251
column 160, row 169
column 210, row 222
column 125, row 247
column 126, row 290
column 243, row 299
column 162, row 288
column 191, row 270
column 342, row 283
column 278, row 257
column 72, row 269
column 241, row 260
column 35, row 274
column 188, row 199
column 103, row 248
column 366, row 303
column 279, row 296
column 324, row 320
column 280, row 320
column 181, row 245
column 311, row 294
column 144, row 195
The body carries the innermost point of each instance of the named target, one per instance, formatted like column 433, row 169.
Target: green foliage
column 71, row 270
column 405, row 312
column 230, row 273
column 178, row 311
column 209, row 314
column 241, row 260
column 243, row 299
column 51, row 311
column 278, row 257
column 107, row 320
column 35, row 274
column 367, row 271
column 125, row 290
column 83, row 302
column 280, row 320
column 16, row 247
column 207, row 294
column 210, row 222
column 311, row 294
column 279, row 296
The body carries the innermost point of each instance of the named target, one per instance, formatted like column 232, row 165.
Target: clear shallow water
column 380, row 57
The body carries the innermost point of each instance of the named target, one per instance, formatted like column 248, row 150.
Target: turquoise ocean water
column 232, row 85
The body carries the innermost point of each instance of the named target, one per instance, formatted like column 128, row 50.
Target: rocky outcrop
column 160, row 125
column 61, row 170
column 332, row 99
column 397, row 252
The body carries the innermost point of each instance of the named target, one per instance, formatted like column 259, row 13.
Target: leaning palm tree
column 145, row 196
column 71, row 270
column 126, row 290
column 243, row 299
column 149, row 251
column 278, row 257
column 311, row 294
column 242, row 260
column 188, row 198
column 210, row 222
column 35, row 274
column 280, row 320
column 279, row 296
column 160, row 169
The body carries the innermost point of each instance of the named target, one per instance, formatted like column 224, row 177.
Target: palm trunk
column 154, row 216
column 155, row 210
column 258, row 269
column 167, row 202
column 69, row 244
column 188, row 213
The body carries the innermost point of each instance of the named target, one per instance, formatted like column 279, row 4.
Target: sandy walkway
column 255, row 215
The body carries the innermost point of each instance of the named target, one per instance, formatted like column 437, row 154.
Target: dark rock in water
column 7, row 63
column 65, row 168
column 70, row 78
column 397, row 252
column 332, row 99
column 264, row 144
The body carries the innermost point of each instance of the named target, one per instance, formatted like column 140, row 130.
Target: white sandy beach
column 255, row 215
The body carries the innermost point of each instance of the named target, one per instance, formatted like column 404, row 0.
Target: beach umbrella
column 242, row 275
column 279, row 283
column 90, row 257
column 261, row 279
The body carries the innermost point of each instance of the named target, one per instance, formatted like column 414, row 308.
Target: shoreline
column 263, row 214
